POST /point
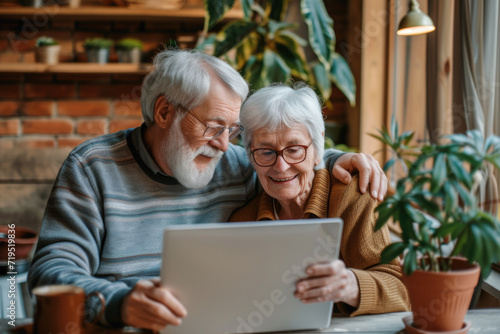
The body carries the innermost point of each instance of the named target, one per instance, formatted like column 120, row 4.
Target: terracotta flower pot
column 24, row 240
column 439, row 300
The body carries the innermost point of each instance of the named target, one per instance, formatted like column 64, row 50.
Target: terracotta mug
column 61, row 309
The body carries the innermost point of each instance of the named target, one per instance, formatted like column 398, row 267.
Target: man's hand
column 329, row 282
column 151, row 306
column 369, row 170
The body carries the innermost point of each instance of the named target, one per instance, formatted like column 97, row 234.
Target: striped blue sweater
column 103, row 225
column 102, row 228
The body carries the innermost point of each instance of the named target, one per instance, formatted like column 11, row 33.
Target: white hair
column 279, row 106
column 184, row 78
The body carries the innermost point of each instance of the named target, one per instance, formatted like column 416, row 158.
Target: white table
column 484, row 321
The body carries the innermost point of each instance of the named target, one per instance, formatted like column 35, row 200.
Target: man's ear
column 163, row 111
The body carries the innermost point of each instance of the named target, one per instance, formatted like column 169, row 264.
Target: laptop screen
column 240, row 277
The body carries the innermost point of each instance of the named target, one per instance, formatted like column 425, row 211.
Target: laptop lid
column 240, row 277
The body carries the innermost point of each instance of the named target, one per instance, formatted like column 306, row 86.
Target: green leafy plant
column 45, row 41
column 434, row 204
column 128, row 44
column 97, row 43
column 265, row 48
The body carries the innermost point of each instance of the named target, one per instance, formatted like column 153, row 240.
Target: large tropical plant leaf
column 276, row 27
column 322, row 81
column 215, row 11
column 278, row 9
column 232, row 36
column 246, row 5
column 291, row 52
column 341, row 75
column 252, row 72
column 252, row 46
column 321, row 34
column 274, row 69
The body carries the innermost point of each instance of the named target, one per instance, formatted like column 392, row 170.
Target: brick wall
column 59, row 111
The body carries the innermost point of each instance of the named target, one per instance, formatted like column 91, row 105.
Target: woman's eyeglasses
column 265, row 157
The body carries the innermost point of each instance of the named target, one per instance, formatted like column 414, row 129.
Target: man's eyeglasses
column 265, row 157
column 214, row 131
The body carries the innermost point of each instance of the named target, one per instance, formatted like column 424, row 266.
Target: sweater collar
column 137, row 137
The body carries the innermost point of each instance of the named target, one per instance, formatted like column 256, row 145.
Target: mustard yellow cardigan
column 381, row 289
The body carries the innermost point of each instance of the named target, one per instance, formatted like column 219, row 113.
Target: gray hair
column 184, row 78
column 279, row 106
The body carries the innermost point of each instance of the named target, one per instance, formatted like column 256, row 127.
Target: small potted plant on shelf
column 47, row 50
column 447, row 238
column 32, row 3
column 97, row 49
column 129, row 50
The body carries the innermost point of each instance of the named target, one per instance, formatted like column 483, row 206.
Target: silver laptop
column 240, row 277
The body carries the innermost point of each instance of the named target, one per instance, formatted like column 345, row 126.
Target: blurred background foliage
column 265, row 47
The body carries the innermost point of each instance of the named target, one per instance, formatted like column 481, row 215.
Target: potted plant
column 445, row 234
column 129, row 50
column 97, row 49
column 265, row 48
column 47, row 50
column 32, row 3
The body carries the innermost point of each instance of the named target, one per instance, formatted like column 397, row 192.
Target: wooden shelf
column 80, row 68
column 87, row 13
column 115, row 13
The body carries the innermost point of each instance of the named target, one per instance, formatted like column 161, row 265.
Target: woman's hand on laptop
column 329, row 282
column 151, row 306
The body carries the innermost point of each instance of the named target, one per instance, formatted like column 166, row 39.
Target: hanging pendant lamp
column 415, row 22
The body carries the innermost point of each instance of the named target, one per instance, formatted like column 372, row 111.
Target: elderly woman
column 284, row 137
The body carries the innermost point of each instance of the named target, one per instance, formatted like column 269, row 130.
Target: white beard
column 180, row 159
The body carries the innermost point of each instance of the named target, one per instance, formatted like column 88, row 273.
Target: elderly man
column 102, row 228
